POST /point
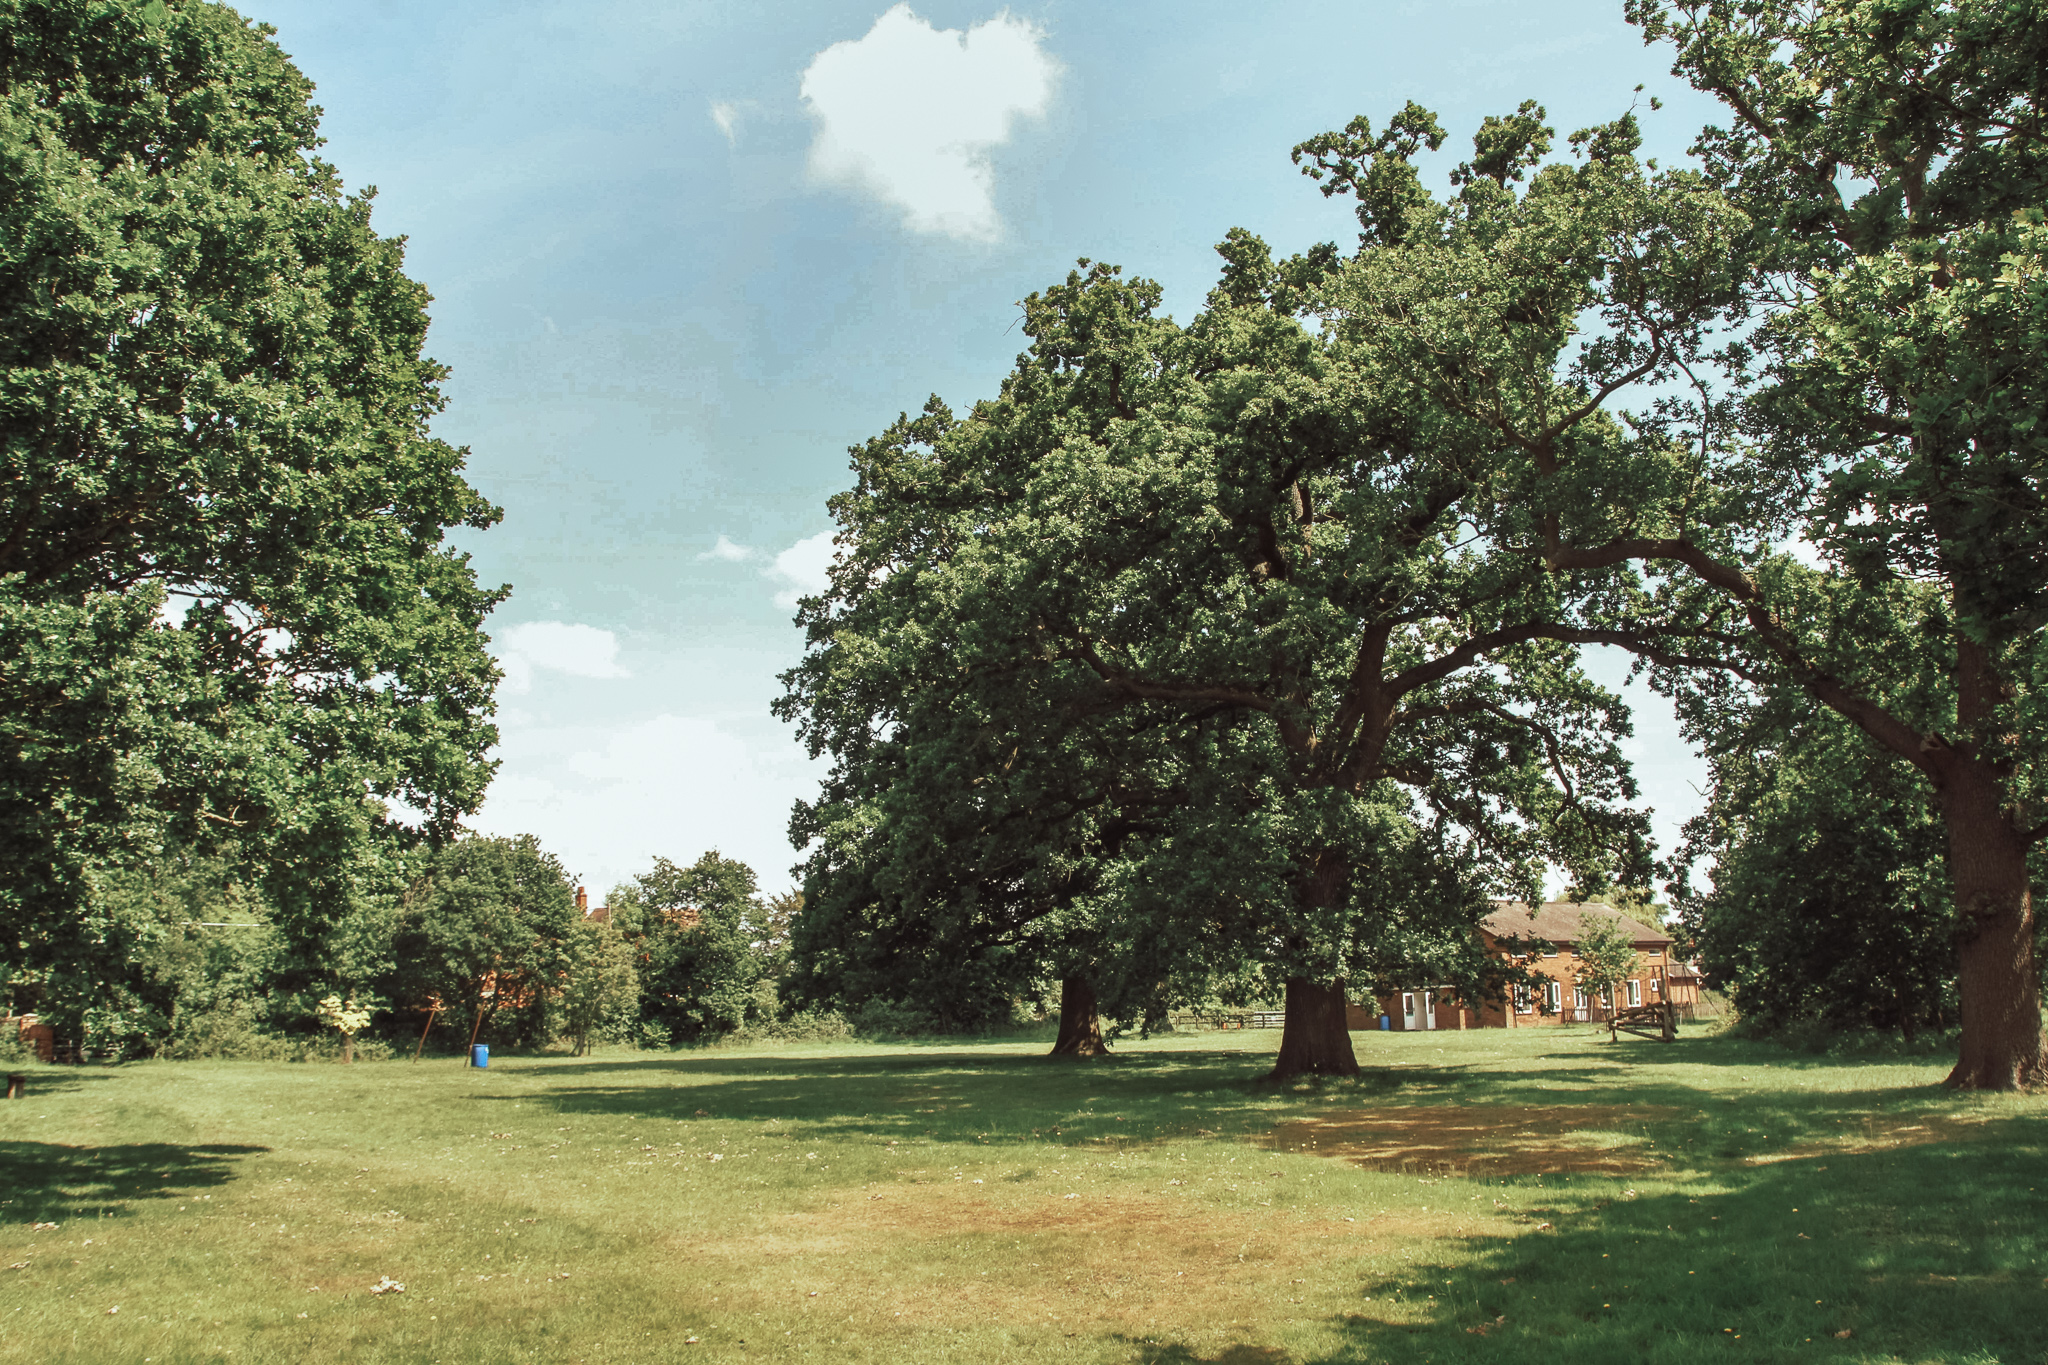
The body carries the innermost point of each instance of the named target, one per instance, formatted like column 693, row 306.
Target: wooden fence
column 1224, row 1019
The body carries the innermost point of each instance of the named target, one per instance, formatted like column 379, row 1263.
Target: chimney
column 582, row 901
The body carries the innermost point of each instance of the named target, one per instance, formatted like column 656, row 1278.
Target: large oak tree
column 1230, row 532
column 229, row 606
column 1872, row 396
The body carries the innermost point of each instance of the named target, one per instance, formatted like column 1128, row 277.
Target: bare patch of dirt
column 1118, row 1261
column 1498, row 1139
column 1883, row 1133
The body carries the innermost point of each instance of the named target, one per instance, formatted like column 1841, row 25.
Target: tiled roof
column 1558, row 921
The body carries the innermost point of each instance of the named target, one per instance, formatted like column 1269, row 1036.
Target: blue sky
column 684, row 255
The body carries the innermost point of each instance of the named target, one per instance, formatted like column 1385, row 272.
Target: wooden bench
column 1659, row 1020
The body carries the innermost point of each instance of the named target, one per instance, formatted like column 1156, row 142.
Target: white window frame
column 1525, row 1003
column 1555, row 996
column 1580, row 1000
column 1635, row 991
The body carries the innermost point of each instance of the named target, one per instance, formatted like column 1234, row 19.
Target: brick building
column 1544, row 939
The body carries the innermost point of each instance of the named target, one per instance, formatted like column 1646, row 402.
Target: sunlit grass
column 1532, row 1196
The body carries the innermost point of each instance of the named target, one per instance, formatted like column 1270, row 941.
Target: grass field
column 1514, row 1197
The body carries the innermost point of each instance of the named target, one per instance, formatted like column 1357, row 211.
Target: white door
column 1429, row 1009
column 1408, row 1009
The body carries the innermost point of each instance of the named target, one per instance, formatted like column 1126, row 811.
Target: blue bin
column 1386, row 1023
column 480, row 1054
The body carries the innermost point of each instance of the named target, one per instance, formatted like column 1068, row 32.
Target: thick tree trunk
column 1080, row 1026
column 2000, row 985
column 1315, row 1032
column 1315, row 1037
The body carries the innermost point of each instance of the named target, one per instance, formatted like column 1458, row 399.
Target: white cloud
column 909, row 114
column 609, row 802
column 556, row 647
column 726, row 115
column 803, row 569
column 729, row 552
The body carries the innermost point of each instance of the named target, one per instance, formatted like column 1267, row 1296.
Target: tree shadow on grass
column 1173, row 1354
column 736, row 1063
column 1925, row 1253
column 47, row 1182
column 969, row 1098
column 985, row 1098
column 1727, row 1051
column 49, row 1082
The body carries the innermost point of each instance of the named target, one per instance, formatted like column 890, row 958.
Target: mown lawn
column 1511, row 1197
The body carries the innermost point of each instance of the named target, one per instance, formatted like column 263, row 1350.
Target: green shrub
column 230, row 1033
column 812, row 1026
column 885, row 1020
column 805, row 1026
column 15, row 1050
column 654, row 1036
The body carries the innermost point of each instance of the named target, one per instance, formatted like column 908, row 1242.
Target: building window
column 1655, row 985
column 1579, row 1001
column 1550, row 950
column 1522, row 1002
column 1553, row 993
column 1635, row 991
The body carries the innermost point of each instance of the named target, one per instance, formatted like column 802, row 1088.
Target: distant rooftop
column 1561, row 921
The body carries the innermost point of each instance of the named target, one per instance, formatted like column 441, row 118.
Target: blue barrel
column 480, row 1054
column 1385, row 1023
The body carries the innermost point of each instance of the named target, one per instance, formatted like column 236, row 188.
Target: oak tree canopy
column 228, row 607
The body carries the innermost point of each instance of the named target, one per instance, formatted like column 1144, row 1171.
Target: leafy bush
column 654, row 1036
column 15, row 1050
column 889, row 1019
column 601, row 995
column 231, row 1032
column 805, row 1026
column 703, row 974
column 812, row 1026
column 1830, row 906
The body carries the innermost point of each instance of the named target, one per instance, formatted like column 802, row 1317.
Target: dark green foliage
column 1830, row 902
column 855, row 946
column 701, row 972
column 187, row 952
column 486, row 932
column 600, row 994
column 212, row 393
column 83, row 750
column 1606, row 957
column 1210, row 657
column 1890, row 342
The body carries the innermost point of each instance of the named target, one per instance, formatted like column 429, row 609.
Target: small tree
column 603, row 985
column 1607, row 956
column 702, row 971
column 348, row 1019
column 484, row 931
